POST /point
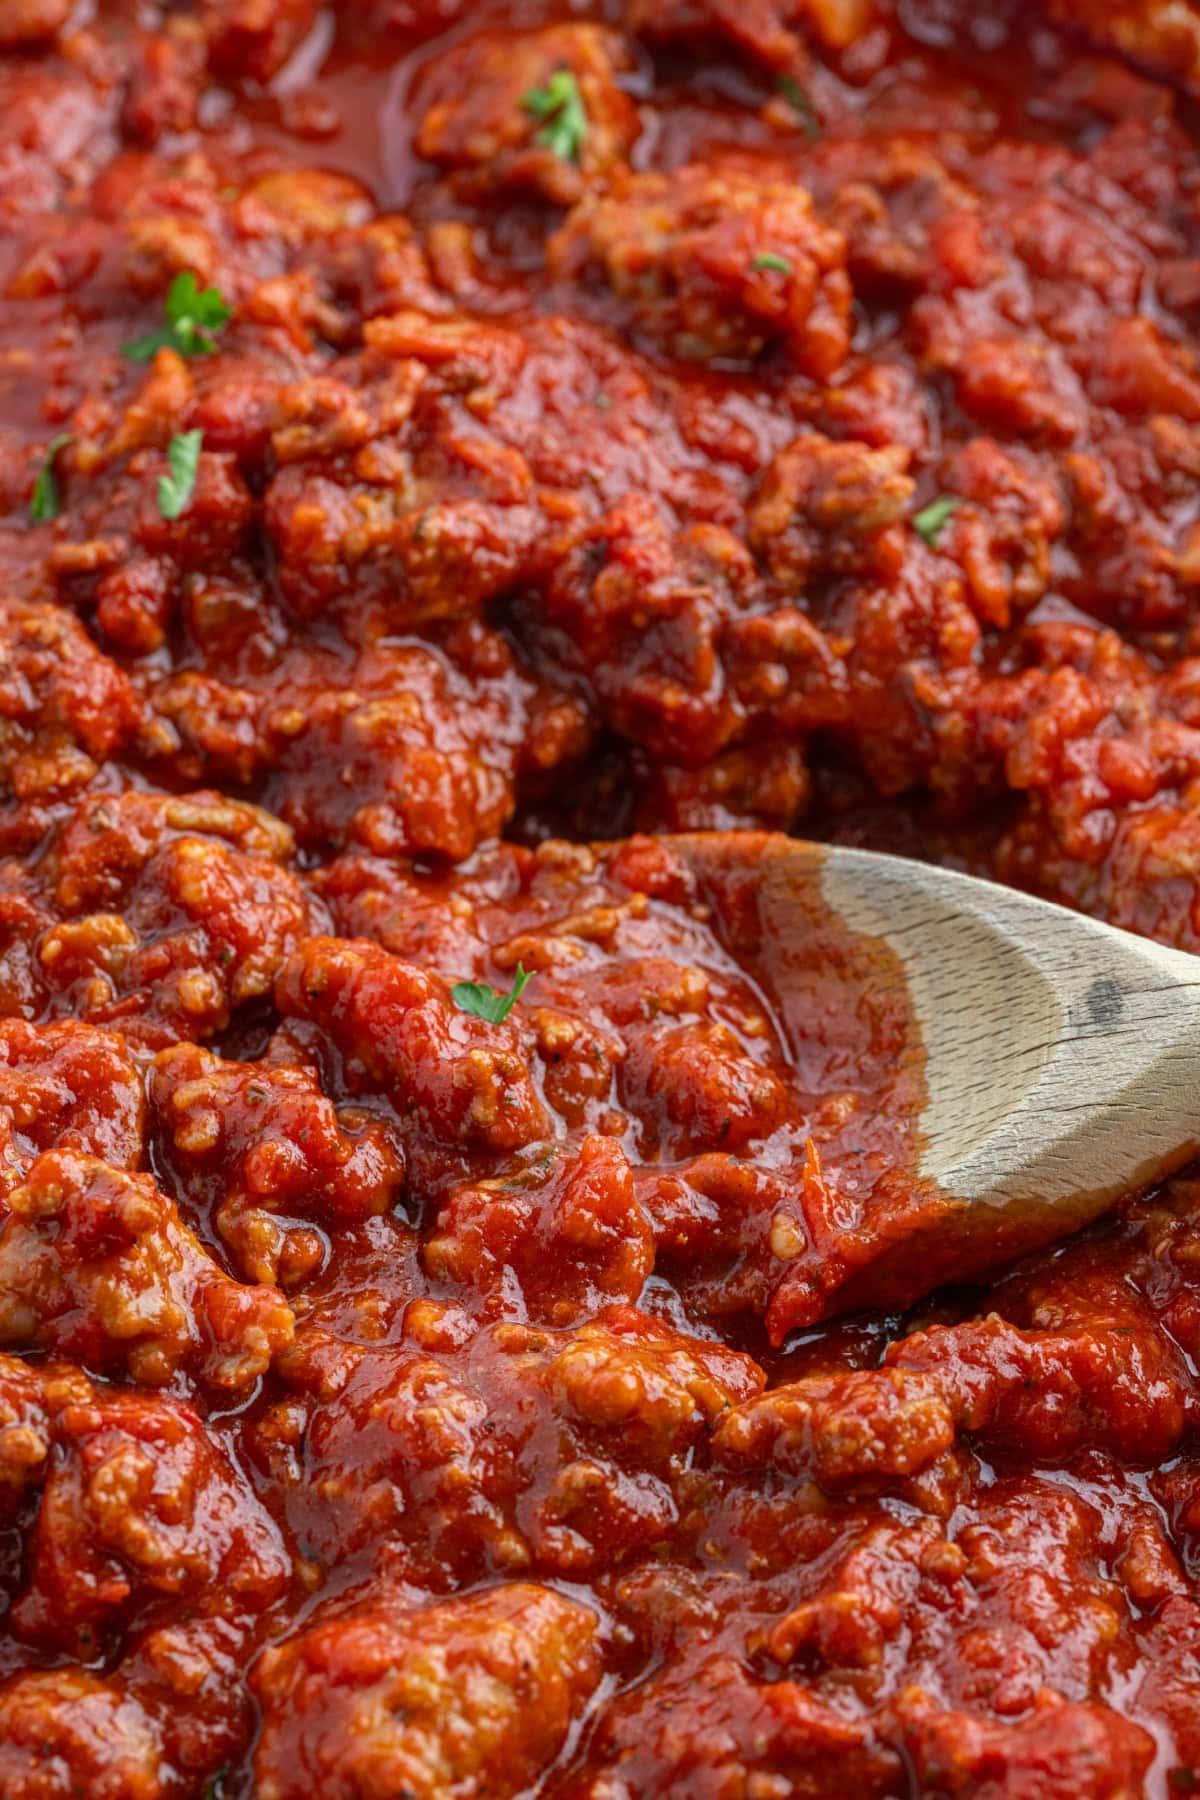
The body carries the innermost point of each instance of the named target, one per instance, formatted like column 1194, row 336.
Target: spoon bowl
column 1050, row 1063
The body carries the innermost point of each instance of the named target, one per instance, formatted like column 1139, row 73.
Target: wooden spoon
column 1054, row 1061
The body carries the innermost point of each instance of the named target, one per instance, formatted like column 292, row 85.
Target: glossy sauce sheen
column 398, row 1405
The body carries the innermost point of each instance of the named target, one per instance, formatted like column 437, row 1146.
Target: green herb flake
column 194, row 316
column 800, row 104
column 487, row 1002
column 768, row 260
column 46, row 502
column 560, row 104
column 932, row 520
column 216, row 1785
column 176, row 489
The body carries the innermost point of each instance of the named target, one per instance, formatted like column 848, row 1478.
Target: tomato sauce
column 448, row 448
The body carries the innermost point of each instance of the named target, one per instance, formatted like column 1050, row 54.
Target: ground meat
column 882, row 1425
column 400, row 787
column 69, row 1087
column 254, row 37
column 165, row 913
column 163, row 86
column 95, row 1262
column 1003, row 533
column 1062, row 1750
column 713, row 265
column 1163, row 36
column 459, row 1077
column 29, row 1399
column 825, row 509
column 613, row 1039
column 67, row 1731
column 65, row 707
column 443, row 560
column 140, row 1505
column 627, row 1400
column 482, row 115
column 518, row 1229
column 260, row 1149
column 25, row 21
column 757, row 1733
column 638, row 614
column 736, row 1102
column 758, row 27
column 436, row 1703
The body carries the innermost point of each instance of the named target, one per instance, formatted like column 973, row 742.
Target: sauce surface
column 577, row 422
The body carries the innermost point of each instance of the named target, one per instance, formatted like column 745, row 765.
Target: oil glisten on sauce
column 436, row 437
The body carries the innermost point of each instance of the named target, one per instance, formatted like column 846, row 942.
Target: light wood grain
column 1059, row 1057
column 1062, row 1057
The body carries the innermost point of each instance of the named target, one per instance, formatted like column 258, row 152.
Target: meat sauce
column 444, row 446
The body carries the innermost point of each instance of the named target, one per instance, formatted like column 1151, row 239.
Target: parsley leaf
column 768, row 260
column 194, row 317
column 46, row 503
column 932, row 520
column 561, row 105
column 487, row 1002
column 800, row 103
column 176, row 489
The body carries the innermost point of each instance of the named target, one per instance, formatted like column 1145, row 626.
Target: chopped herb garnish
column 800, row 103
column 560, row 104
column 216, row 1785
column 932, row 520
column 487, row 1002
column 46, row 503
column 194, row 317
column 176, row 489
column 768, row 260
